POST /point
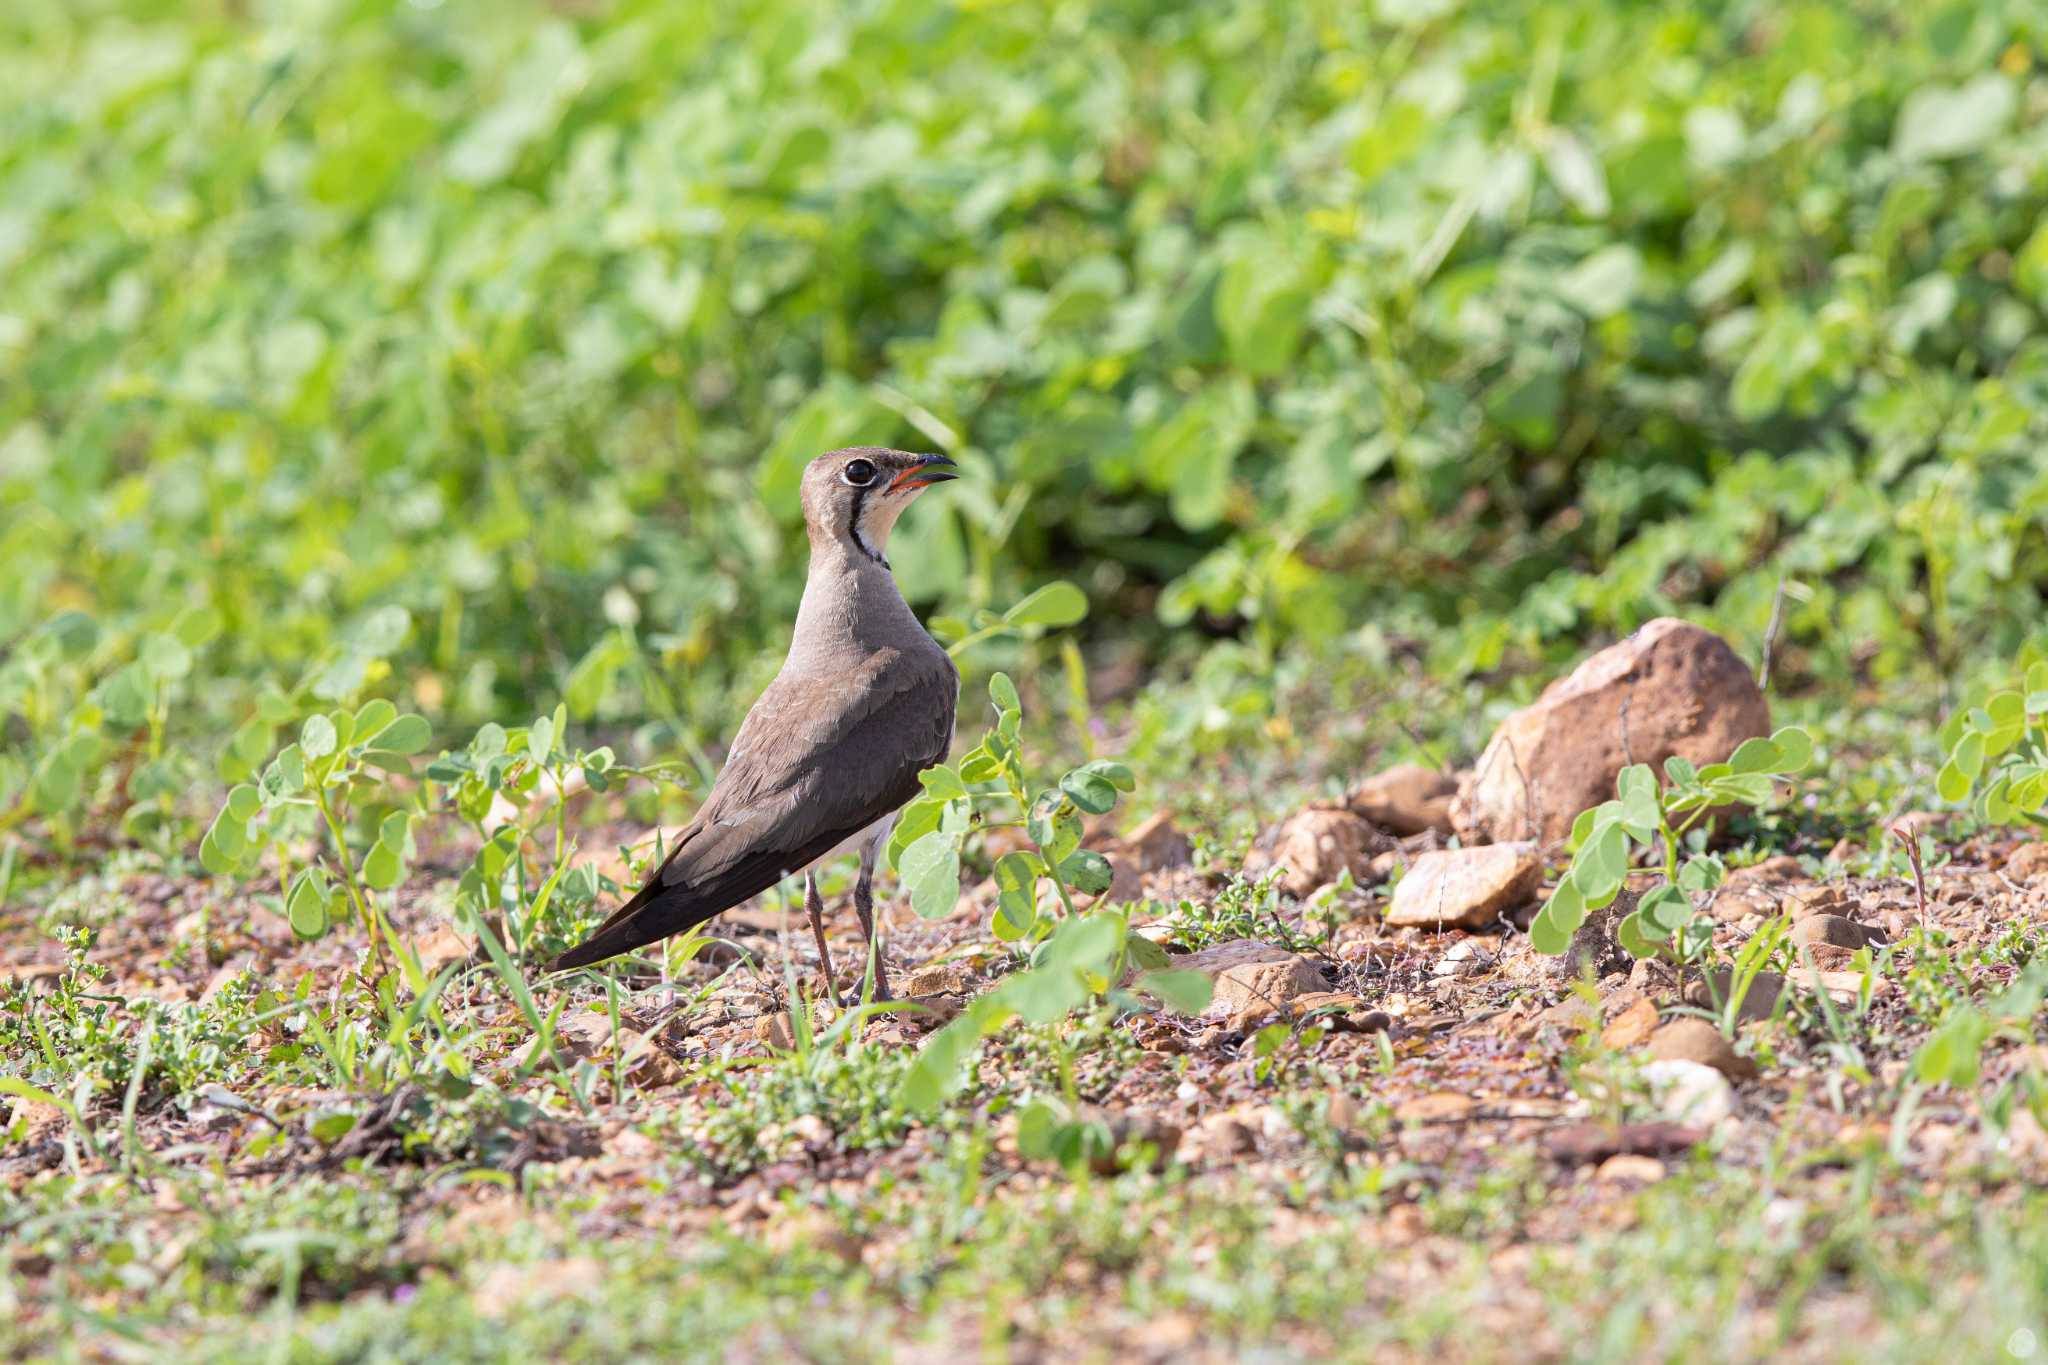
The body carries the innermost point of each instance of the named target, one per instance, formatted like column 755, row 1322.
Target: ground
column 1468, row 1160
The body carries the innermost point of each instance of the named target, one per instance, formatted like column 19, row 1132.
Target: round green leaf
column 1003, row 693
column 1055, row 604
column 317, row 737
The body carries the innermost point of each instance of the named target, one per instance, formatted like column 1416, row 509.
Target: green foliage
column 925, row 847
column 519, row 320
column 1650, row 815
column 1999, row 750
column 1082, row 961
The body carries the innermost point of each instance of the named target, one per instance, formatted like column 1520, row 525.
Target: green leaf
column 1681, row 771
column 392, row 830
column 1602, row 865
column 317, row 737
column 1055, row 605
column 1969, row 756
column 1636, row 937
column 371, row 719
column 980, row 766
column 1092, row 792
column 1003, row 693
column 540, row 739
column 1940, row 121
column 1087, row 871
column 306, row 906
column 1184, row 992
column 930, row 868
column 1566, row 907
column 1795, row 750
column 1664, row 908
column 383, row 868
column 1701, row 874
column 941, row 783
column 1016, row 877
column 1116, row 774
column 1951, row 783
column 916, row 820
column 1754, row 756
column 1546, row 936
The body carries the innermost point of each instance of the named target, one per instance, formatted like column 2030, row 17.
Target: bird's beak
column 928, row 470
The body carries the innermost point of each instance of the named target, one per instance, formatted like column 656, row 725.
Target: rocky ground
column 1397, row 1130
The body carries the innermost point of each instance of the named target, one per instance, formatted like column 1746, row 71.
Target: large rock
column 1466, row 888
column 1407, row 799
column 1670, row 688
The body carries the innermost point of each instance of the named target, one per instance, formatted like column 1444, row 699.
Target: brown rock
column 1631, row 1168
column 1818, row 898
column 953, row 977
column 1833, row 931
column 1157, row 845
column 1684, row 692
column 1407, row 799
column 1340, row 1011
column 1445, row 1106
column 1632, row 1027
column 1217, row 1138
column 1696, row 1040
column 2027, row 862
column 1759, row 1001
column 1316, row 846
column 1781, row 868
column 1466, row 888
column 1253, row 990
column 438, row 949
column 587, row 1036
column 1586, row 1143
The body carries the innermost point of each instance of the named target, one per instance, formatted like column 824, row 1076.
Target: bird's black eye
column 859, row 473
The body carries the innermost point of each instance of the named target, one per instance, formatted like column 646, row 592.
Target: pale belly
column 868, row 843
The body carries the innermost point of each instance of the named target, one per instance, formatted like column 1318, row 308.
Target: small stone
column 1689, row 1092
column 1215, row 1139
column 1466, row 888
column 1632, row 1027
column 1781, row 868
column 1696, row 1040
column 1759, row 1001
column 2027, row 862
column 1631, row 1168
column 1253, row 990
column 587, row 1036
column 1246, row 971
column 942, row 977
column 1589, row 1142
column 1833, row 931
column 1818, row 898
column 1444, row 1106
column 440, row 948
column 1407, row 799
column 1315, row 846
column 1157, row 845
column 775, row 1030
column 1466, row 957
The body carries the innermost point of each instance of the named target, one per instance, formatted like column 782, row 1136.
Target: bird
column 831, row 751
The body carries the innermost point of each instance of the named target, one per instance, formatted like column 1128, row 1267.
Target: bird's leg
column 864, row 906
column 814, row 906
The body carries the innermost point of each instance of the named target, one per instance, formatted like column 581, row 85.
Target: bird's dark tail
column 655, row 912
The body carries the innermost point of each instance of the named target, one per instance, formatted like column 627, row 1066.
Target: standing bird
column 831, row 751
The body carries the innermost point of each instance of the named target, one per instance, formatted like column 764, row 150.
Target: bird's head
column 854, row 496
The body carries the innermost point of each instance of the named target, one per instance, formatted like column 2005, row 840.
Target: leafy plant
column 1083, row 960
column 958, row 798
column 1649, row 815
column 1999, row 750
column 338, row 768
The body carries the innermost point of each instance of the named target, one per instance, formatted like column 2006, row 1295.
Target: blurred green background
column 466, row 352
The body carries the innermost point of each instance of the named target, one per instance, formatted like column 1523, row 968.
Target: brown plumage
column 864, row 702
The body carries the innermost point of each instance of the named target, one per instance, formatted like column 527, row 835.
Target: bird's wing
column 819, row 759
